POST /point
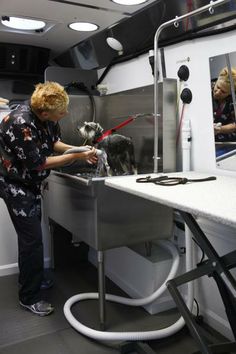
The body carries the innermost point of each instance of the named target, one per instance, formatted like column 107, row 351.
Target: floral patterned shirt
column 25, row 143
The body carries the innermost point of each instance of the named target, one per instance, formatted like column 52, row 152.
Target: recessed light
column 83, row 26
column 129, row 2
column 22, row 23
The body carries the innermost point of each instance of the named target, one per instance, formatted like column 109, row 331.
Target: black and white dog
column 118, row 148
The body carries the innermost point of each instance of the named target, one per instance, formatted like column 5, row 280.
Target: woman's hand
column 89, row 155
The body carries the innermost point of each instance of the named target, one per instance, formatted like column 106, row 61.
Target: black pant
column 30, row 256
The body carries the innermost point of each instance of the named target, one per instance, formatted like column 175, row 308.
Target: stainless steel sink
column 100, row 216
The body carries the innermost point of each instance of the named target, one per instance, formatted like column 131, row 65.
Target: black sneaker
column 41, row 308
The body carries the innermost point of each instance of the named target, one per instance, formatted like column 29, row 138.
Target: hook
column 211, row 9
column 176, row 23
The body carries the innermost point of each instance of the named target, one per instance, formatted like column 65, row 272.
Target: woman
column 223, row 108
column 29, row 136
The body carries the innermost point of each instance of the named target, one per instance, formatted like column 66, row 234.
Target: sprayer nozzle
column 151, row 60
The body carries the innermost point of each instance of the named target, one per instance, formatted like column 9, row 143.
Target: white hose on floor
column 135, row 336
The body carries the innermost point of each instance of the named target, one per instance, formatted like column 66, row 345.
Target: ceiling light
column 22, row 23
column 115, row 44
column 129, row 2
column 83, row 26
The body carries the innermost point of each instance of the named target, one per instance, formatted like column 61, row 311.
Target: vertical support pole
column 101, row 289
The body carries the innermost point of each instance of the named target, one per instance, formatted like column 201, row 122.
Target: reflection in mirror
column 223, row 86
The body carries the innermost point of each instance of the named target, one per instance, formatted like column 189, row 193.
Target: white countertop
column 214, row 200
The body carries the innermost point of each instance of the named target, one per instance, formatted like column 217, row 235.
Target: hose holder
column 186, row 95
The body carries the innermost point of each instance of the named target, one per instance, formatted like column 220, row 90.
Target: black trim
column 165, row 43
column 66, row 2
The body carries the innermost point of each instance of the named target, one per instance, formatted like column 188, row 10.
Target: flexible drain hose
column 135, row 336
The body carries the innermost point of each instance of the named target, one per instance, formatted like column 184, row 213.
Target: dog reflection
column 118, row 148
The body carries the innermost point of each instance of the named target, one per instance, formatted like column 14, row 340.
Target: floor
column 22, row 332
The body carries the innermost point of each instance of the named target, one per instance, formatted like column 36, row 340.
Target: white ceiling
column 58, row 37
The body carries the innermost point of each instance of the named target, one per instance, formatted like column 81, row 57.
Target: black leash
column 172, row 181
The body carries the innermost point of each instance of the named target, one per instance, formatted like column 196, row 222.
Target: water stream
column 103, row 168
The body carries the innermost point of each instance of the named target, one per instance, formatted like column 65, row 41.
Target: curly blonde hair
column 49, row 96
column 224, row 76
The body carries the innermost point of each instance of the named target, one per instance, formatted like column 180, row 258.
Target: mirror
column 223, row 84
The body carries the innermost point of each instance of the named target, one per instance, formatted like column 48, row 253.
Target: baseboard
column 8, row 269
column 218, row 323
column 12, row 268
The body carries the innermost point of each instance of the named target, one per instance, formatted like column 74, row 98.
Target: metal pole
column 101, row 289
column 174, row 21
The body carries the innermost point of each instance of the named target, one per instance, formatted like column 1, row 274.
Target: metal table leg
column 101, row 289
column 192, row 325
column 214, row 267
column 207, row 247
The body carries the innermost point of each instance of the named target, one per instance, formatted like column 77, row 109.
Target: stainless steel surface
column 78, row 179
column 175, row 21
column 116, row 108
column 111, row 111
column 166, row 123
column 104, row 218
column 109, row 219
column 80, row 110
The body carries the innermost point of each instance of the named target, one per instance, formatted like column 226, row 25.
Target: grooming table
column 213, row 200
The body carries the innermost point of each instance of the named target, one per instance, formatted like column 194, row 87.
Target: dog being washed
column 119, row 149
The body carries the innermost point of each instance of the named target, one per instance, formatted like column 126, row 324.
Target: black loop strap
column 172, row 181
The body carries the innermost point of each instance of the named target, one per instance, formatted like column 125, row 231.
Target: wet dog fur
column 119, row 148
